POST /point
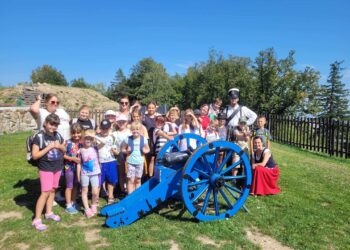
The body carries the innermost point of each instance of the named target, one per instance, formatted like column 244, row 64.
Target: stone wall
column 16, row 119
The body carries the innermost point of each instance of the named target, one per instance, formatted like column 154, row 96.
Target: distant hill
column 71, row 98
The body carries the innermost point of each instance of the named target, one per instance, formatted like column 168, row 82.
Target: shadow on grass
column 32, row 188
column 174, row 210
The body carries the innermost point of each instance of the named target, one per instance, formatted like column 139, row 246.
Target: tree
column 79, row 83
column 48, row 74
column 118, row 87
column 333, row 97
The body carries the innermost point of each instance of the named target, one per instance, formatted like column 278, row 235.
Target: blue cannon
column 201, row 177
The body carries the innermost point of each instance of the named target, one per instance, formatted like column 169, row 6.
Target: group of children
column 114, row 153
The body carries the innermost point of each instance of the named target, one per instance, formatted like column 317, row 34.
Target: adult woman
column 124, row 107
column 149, row 120
column 51, row 106
column 265, row 170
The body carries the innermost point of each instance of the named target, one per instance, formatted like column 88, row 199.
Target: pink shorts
column 49, row 180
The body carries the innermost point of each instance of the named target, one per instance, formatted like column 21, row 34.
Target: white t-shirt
column 63, row 128
column 246, row 112
column 183, row 142
column 121, row 137
column 105, row 153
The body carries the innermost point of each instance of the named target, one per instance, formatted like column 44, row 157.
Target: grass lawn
column 312, row 211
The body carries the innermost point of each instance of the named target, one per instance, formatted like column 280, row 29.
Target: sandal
column 110, row 201
column 89, row 213
column 53, row 217
column 39, row 225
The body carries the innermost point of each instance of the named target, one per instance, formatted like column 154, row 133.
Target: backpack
column 29, row 145
column 131, row 143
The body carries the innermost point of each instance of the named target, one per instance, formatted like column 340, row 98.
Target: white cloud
column 185, row 65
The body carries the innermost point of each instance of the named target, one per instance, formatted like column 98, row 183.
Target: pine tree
column 334, row 100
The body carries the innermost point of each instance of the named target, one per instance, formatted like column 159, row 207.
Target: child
column 222, row 130
column 262, row 132
column 83, row 119
column 105, row 142
column 121, row 137
column 189, row 125
column 160, row 137
column 170, row 126
column 211, row 133
column 242, row 139
column 48, row 149
column 136, row 117
column 88, row 171
column 136, row 147
column 71, row 159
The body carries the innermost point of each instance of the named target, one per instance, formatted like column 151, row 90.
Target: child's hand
column 76, row 159
column 115, row 151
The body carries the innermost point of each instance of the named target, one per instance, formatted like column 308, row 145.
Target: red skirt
column 265, row 181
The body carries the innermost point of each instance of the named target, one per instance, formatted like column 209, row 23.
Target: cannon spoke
column 206, row 200
column 205, row 174
column 228, row 178
column 230, row 189
column 206, row 163
column 197, row 193
column 228, row 169
column 216, row 202
column 223, row 163
column 216, row 157
column 197, row 183
column 225, row 198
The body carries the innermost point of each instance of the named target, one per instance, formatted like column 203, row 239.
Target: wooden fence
column 316, row 134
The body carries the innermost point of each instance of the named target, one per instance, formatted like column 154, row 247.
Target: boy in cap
column 105, row 142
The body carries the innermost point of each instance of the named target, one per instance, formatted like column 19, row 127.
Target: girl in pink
column 88, row 171
column 48, row 149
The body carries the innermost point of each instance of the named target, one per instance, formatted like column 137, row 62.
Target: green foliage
column 148, row 81
column 334, row 96
column 118, row 87
column 79, row 83
column 48, row 74
column 99, row 87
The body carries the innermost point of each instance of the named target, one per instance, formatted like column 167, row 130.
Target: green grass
column 312, row 211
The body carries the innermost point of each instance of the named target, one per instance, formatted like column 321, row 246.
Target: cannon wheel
column 209, row 190
column 174, row 144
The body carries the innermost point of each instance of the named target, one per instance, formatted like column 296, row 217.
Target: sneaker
column 39, row 225
column 110, row 201
column 53, row 217
column 94, row 209
column 71, row 210
column 89, row 213
column 76, row 206
column 54, row 203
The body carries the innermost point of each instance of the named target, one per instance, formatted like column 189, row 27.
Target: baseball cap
column 105, row 124
column 233, row 93
column 121, row 117
column 197, row 112
column 242, row 120
column 222, row 116
column 110, row 112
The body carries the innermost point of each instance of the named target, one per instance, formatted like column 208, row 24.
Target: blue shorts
column 109, row 172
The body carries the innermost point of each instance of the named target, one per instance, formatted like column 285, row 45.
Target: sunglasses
column 124, row 103
column 53, row 102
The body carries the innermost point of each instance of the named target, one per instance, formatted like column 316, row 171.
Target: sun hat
column 110, row 112
column 121, row 117
column 242, row 120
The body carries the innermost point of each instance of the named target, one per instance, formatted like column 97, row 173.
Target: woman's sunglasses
column 124, row 103
column 54, row 102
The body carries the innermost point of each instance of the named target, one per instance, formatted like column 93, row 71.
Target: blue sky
column 92, row 39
